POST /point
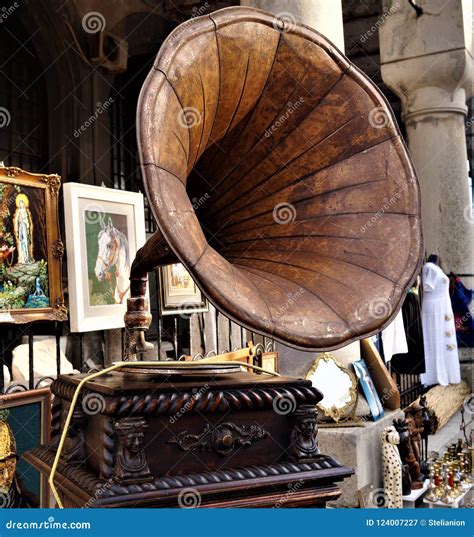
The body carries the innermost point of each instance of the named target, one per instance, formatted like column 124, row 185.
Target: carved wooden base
column 234, row 440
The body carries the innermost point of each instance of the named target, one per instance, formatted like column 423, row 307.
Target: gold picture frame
column 31, row 249
column 329, row 368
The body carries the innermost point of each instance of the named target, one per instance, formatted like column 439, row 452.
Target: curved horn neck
column 154, row 253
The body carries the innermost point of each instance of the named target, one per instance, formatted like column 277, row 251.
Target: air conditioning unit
column 109, row 51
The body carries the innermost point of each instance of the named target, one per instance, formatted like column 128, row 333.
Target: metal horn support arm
column 154, row 253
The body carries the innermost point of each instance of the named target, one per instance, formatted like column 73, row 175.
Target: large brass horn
column 278, row 176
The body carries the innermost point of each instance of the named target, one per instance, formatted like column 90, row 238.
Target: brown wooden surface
column 279, row 117
column 384, row 383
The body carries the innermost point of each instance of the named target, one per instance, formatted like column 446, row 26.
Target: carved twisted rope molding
column 106, row 488
column 212, row 401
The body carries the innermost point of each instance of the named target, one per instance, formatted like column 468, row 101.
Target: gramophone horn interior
column 278, row 176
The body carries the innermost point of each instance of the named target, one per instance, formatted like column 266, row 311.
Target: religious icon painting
column 30, row 248
column 24, row 425
column 104, row 229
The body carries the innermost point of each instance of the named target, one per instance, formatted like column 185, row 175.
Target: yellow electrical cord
column 120, row 365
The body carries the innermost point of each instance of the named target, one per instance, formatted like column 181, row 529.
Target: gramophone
column 278, row 177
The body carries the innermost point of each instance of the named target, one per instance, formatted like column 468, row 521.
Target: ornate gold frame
column 336, row 413
column 57, row 311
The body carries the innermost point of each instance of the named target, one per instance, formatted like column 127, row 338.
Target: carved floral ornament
column 223, row 438
column 58, row 249
column 53, row 182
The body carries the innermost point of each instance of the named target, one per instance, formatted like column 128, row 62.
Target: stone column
column 427, row 61
column 322, row 15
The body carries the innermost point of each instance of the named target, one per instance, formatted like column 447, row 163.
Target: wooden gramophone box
column 213, row 437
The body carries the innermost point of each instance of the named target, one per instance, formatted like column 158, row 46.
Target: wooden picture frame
column 178, row 293
column 98, row 218
column 386, row 387
column 31, row 249
column 25, row 416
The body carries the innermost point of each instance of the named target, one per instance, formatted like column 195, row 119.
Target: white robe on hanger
column 439, row 334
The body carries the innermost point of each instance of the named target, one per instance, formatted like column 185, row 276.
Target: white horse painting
column 113, row 252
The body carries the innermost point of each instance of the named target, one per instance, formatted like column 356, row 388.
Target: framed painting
column 179, row 295
column 367, row 385
column 104, row 229
column 24, row 424
column 31, row 249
